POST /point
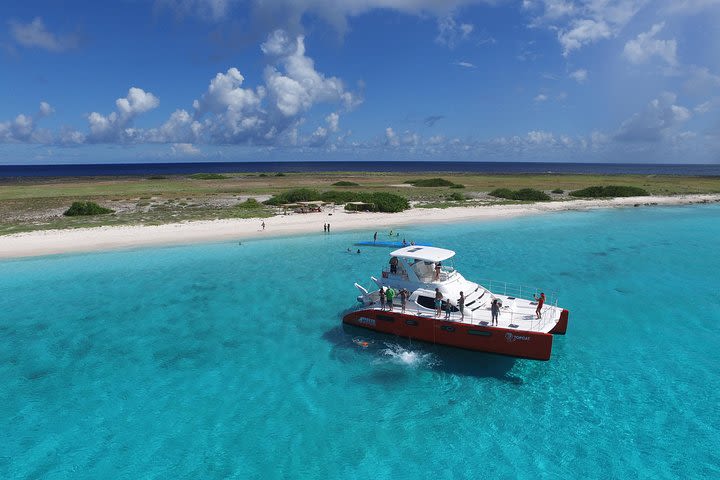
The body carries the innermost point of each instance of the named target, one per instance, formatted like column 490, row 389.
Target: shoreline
column 54, row 242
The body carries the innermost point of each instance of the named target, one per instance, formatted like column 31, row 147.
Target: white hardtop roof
column 427, row 254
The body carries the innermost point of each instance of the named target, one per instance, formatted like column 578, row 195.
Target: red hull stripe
column 504, row 341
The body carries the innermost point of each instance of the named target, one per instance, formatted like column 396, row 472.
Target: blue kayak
column 380, row 243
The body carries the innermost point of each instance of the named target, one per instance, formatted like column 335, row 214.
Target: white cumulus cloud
column 654, row 123
column 117, row 125
column 580, row 75
column 645, row 46
column 36, row 35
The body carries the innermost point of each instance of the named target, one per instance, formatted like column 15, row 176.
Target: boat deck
column 516, row 313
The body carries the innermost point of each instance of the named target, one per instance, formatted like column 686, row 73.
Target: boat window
column 448, row 328
column 482, row 333
column 412, row 323
column 385, row 318
column 427, row 302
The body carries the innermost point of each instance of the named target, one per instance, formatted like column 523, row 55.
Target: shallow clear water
column 230, row 361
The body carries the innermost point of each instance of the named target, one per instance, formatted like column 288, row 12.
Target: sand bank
column 50, row 242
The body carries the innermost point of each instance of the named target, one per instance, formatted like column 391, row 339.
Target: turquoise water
column 229, row 361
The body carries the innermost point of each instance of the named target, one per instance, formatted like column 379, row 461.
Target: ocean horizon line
column 489, row 167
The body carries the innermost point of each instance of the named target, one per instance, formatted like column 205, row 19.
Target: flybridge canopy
column 427, row 254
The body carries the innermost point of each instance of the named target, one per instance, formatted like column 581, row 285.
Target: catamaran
column 435, row 313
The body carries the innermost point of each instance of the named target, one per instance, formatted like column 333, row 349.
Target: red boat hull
column 503, row 341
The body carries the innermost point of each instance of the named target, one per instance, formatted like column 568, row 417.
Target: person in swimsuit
column 540, row 303
column 438, row 302
column 393, row 264
column 403, row 299
column 382, row 299
column 461, row 306
column 438, row 267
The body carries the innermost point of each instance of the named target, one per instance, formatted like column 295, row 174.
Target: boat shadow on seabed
column 347, row 338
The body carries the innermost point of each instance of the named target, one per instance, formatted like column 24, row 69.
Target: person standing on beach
column 263, row 225
column 495, row 311
column 390, row 295
column 375, row 237
column 403, row 299
column 382, row 298
column 461, row 306
column 540, row 303
column 438, row 302
column 328, row 228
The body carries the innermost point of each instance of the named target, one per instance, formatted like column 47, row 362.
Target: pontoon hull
column 503, row 341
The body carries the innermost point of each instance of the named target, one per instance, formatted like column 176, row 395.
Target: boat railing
column 518, row 290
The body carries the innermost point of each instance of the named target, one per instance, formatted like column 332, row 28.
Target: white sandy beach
column 49, row 242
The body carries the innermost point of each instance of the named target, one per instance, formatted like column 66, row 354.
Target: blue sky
column 466, row 80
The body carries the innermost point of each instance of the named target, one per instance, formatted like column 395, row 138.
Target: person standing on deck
column 461, row 306
column 393, row 264
column 390, row 295
column 403, row 299
column 540, row 303
column 438, row 302
column 438, row 267
column 382, row 298
column 495, row 311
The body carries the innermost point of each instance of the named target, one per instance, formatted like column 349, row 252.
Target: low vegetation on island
column 372, row 201
column 524, row 194
column 610, row 191
column 39, row 203
column 434, row 182
column 86, row 208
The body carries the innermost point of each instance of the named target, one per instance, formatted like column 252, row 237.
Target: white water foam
column 412, row 358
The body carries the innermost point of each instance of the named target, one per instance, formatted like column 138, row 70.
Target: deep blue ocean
column 218, row 361
column 355, row 166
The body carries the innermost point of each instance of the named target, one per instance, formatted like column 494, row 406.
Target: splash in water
column 413, row 358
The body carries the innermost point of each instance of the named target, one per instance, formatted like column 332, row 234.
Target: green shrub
column 86, row 208
column 344, row 183
column 381, row 202
column 431, row 182
column 263, row 175
column 456, row 196
column 157, row 177
column 250, row 203
column 524, row 194
column 457, row 185
column 293, row 196
column 340, row 196
column 207, row 176
column 388, row 202
column 502, row 193
column 280, row 174
column 558, row 191
column 610, row 191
